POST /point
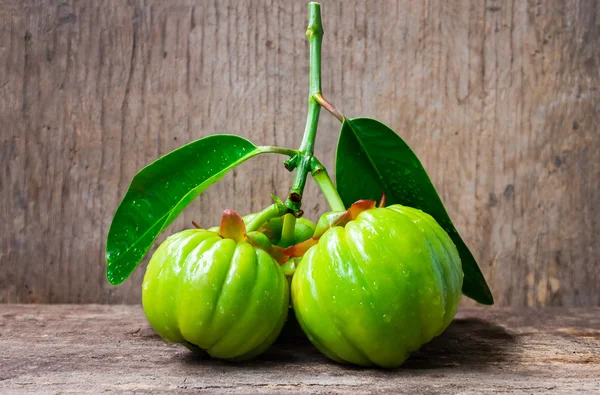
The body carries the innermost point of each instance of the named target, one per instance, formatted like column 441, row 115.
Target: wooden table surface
column 94, row 348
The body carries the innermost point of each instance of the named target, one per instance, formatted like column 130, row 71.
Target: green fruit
column 216, row 294
column 372, row 292
column 303, row 231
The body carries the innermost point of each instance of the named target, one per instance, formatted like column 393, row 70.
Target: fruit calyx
column 232, row 227
column 328, row 221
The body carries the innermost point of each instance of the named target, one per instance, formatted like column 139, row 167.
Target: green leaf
column 161, row 190
column 371, row 159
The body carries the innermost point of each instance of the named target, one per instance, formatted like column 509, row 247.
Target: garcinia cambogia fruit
column 376, row 284
column 220, row 292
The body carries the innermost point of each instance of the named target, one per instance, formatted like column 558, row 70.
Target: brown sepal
column 297, row 250
column 232, row 226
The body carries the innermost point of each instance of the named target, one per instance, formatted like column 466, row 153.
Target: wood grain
column 499, row 98
column 96, row 348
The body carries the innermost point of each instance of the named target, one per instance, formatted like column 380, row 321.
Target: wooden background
column 499, row 99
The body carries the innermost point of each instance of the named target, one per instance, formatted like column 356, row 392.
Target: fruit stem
column 275, row 210
column 322, row 179
column 302, row 160
column 287, row 232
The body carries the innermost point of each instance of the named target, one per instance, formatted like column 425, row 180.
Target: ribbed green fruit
column 377, row 289
column 227, row 298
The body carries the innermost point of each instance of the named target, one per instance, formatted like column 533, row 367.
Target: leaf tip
column 112, row 279
column 488, row 298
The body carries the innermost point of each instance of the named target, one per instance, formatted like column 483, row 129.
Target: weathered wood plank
column 500, row 100
column 95, row 348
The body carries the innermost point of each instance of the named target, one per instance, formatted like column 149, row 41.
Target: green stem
column 273, row 211
column 331, row 194
column 314, row 32
column 287, row 232
column 329, row 107
column 278, row 150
